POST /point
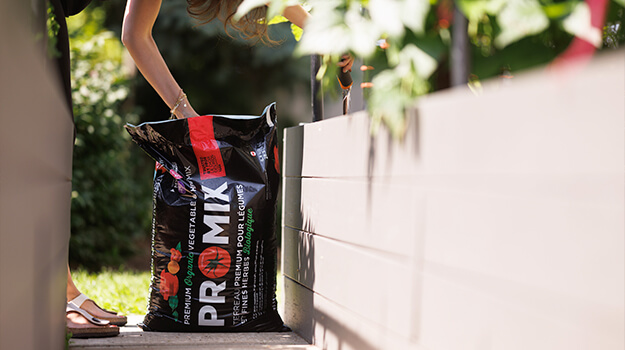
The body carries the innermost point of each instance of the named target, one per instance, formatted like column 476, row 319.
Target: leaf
column 414, row 13
column 385, row 15
column 334, row 29
column 520, row 18
column 326, row 32
column 173, row 302
column 423, row 64
column 475, row 10
column 392, row 17
column 247, row 6
column 579, row 24
column 559, row 9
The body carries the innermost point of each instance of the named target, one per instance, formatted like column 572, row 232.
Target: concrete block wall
column 498, row 222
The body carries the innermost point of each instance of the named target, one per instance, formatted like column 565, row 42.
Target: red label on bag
column 276, row 162
column 205, row 147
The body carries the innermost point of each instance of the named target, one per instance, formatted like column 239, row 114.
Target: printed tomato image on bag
column 213, row 223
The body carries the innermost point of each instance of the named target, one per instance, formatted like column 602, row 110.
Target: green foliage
column 403, row 68
column 110, row 205
column 125, row 292
column 614, row 30
column 505, row 35
column 53, row 30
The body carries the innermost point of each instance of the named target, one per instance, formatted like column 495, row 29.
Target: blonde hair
column 252, row 26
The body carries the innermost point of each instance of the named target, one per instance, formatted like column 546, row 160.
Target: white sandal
column 96, row 321
column 76, row 303
column 99, row 329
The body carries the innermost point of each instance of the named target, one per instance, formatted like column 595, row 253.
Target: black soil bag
column 213, row 229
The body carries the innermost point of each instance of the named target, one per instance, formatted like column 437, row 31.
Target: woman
column 137, row 37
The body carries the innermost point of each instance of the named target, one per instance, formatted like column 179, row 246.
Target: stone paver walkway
column 132, row 337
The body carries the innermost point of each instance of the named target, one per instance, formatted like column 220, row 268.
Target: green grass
column 126, row 292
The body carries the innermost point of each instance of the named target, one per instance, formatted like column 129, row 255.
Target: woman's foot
column 88, row 305
column 80, row 301
column 80, row 326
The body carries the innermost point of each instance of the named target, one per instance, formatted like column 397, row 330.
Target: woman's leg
column 72, row 290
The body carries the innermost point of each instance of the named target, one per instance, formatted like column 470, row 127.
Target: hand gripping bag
column 213, row 223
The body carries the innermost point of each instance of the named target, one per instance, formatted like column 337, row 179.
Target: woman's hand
column 187, row 112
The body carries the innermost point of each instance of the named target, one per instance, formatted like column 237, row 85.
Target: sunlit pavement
column 132, row 337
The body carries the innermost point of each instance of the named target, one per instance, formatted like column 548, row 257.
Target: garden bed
column 496, row 223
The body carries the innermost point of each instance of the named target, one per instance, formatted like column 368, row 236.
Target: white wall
column 497, row 223
column 36, row 138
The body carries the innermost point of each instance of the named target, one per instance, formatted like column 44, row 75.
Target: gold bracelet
column 181, row 98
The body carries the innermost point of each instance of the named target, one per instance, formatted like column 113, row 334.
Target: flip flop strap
column 79, row 300
column 96, row 321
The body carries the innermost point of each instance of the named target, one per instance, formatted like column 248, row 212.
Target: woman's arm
column 137, row 37
column 296, row 14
